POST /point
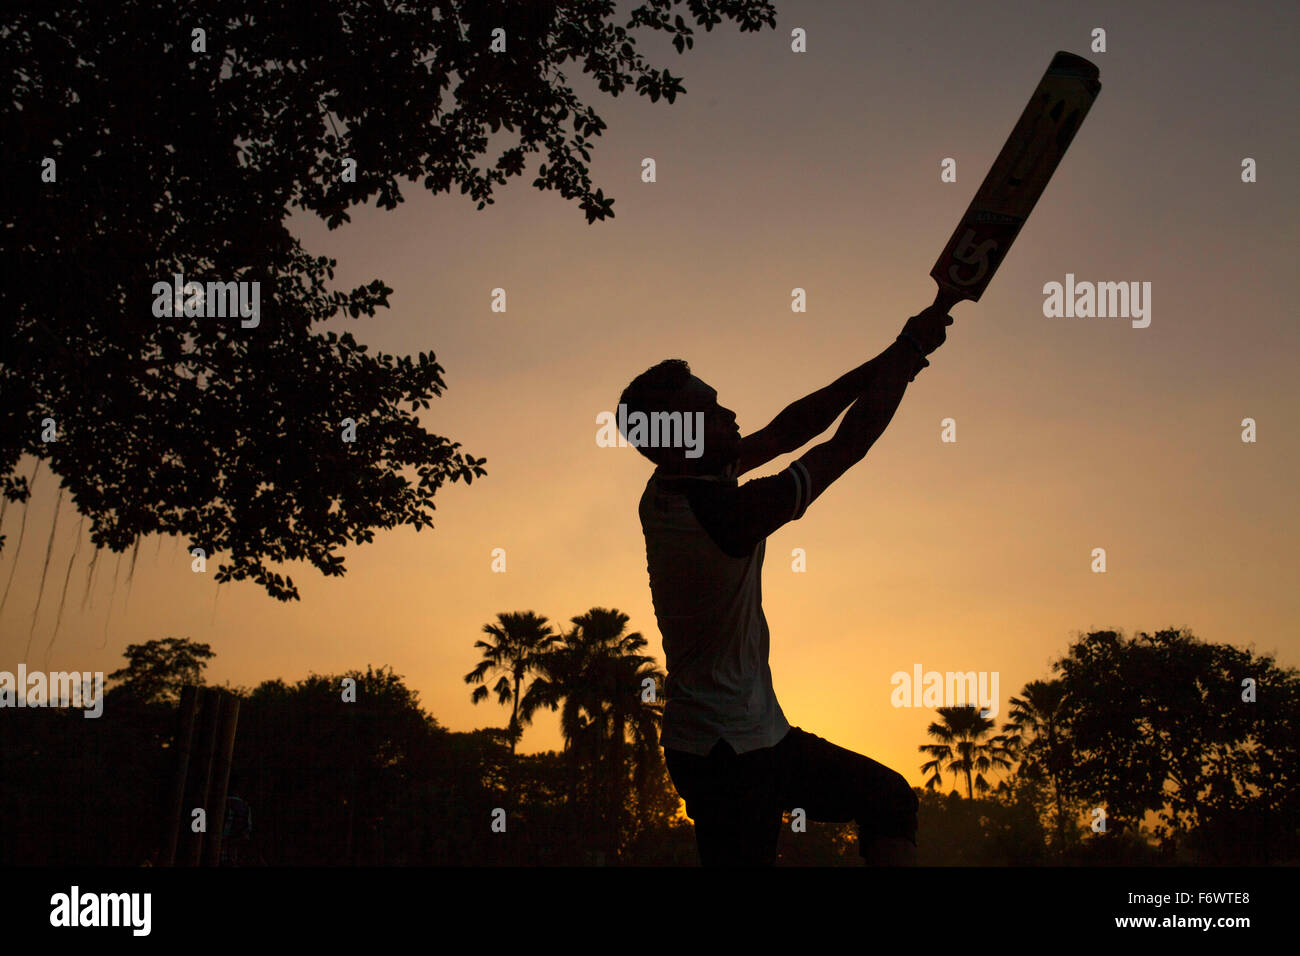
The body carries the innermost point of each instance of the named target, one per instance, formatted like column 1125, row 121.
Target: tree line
column 1158, row 748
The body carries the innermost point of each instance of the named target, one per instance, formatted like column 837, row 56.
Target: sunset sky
column 821, row 171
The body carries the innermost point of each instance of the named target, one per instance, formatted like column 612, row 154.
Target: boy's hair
column 656, row 390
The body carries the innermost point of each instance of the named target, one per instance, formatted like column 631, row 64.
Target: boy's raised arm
column 803, row 420
column 874, row 408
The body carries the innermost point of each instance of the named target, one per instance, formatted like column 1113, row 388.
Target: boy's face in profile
column 721, row 433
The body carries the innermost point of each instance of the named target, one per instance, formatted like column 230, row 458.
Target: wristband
column 904, row 337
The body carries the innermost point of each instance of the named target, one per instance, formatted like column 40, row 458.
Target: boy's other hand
column 927, row 328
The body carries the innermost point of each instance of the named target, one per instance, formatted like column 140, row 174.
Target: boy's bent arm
column 803, row 420
column 737, row 518
column 811, row 415
column 866, row 420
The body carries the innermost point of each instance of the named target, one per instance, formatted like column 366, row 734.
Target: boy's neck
column 695, row 469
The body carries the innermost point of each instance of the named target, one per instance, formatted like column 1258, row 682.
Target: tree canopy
column 1168, row 724
column 144, row 142
column 158, row 670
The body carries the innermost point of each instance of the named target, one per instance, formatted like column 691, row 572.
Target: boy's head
column 676, row 404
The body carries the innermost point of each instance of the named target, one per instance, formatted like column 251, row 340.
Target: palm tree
column 621, row 691
column 520, row 641
column 962, row 750
column 1033, row 733
column 595, row 676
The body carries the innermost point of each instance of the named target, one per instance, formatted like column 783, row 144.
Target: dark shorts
column 736, row 800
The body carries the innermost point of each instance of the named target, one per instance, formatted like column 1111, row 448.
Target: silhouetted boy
column 731, row 754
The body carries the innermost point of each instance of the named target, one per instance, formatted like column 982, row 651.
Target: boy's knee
column 910, row 799
column 901, row 793
column 906, row 803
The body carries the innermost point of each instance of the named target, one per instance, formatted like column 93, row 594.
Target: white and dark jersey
column 705, row 540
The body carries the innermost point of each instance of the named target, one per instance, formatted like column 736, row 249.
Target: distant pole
column 198, row 792
column 181, row 745
column 227, row 723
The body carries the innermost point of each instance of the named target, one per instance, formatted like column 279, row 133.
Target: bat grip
column 946, row 299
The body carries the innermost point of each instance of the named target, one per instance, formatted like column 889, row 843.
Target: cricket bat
column 1018, row 177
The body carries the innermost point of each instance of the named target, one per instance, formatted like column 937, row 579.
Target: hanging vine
column 76, row 548
column 49, row 549
column 130, row 574
column 22, row 530
column 90, row 577
column 117, row 568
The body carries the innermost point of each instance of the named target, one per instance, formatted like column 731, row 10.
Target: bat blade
column 1017, row 178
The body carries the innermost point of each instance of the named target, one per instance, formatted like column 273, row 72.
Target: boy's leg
column 833, row 784
column 730, row 797
column 889, row 851
column 730, row 842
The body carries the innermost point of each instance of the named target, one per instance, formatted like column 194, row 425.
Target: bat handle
column 946, row 299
